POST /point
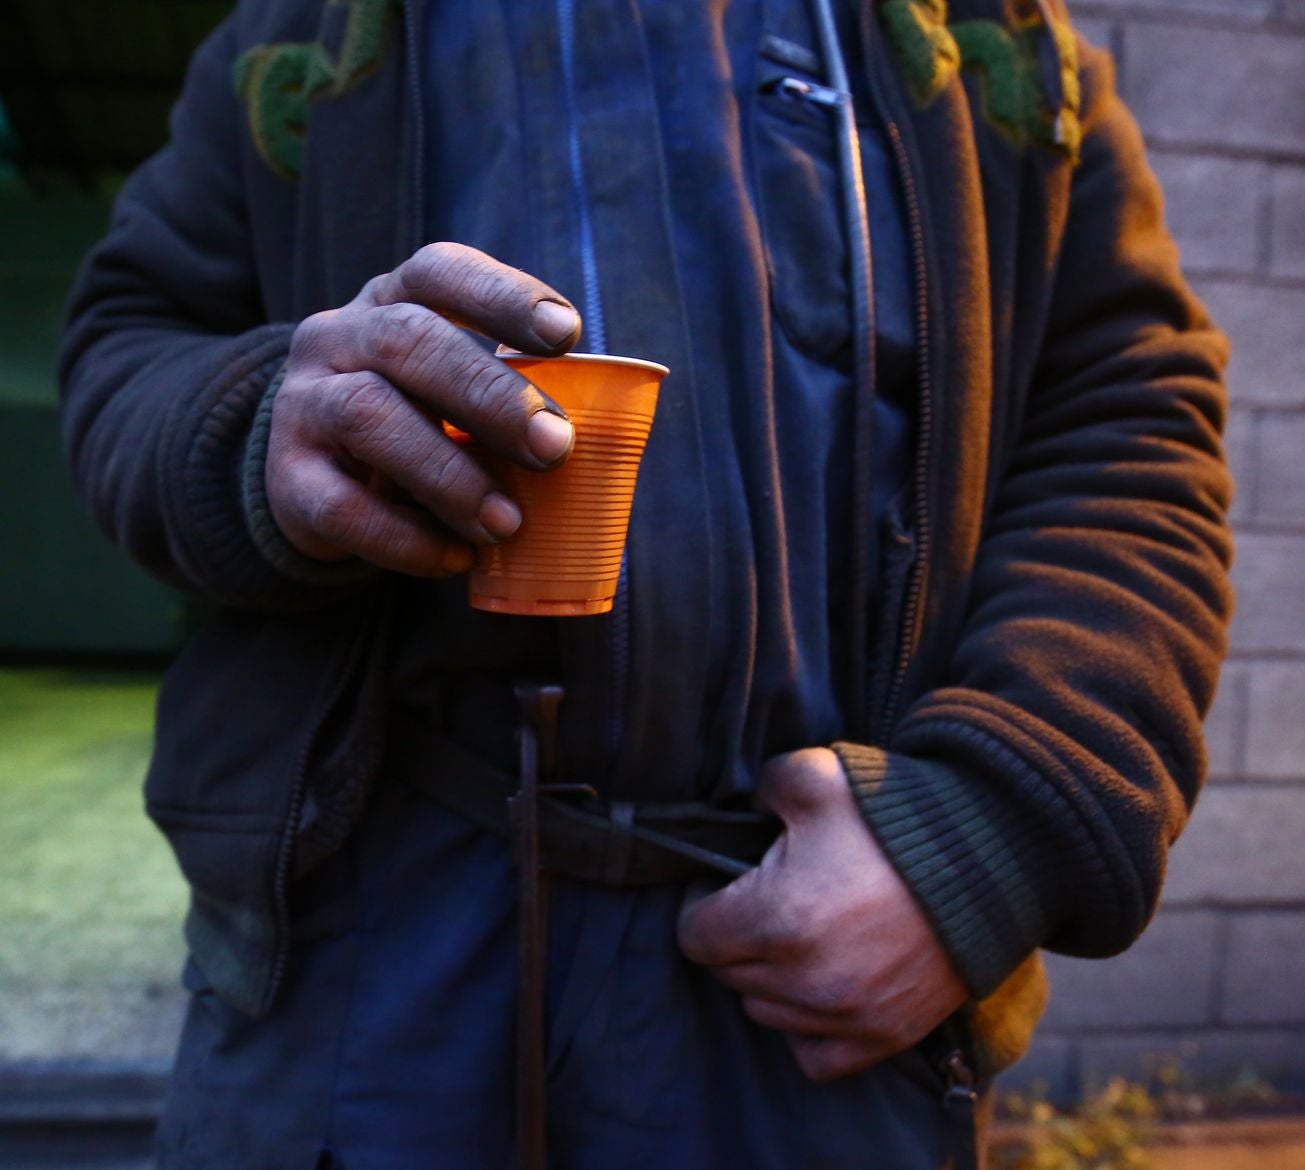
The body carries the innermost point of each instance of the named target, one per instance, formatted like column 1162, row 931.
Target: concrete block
column 71, row 1024
column 1280, row 470
column 1225, row 726
column 1199, row 193
column 1269, row 576
column 1047, row 1068
column 1240, row 441
column 1212, row 1057
column 1264, row 969
column 1287, row 217
column 1165, row 980
column 1268, row 365
column 1192, row 85
column 1244, row 845
column 1275, row 721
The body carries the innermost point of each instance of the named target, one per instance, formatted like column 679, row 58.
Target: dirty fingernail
column 549, row 436
column 555, row 323
column 499, row 515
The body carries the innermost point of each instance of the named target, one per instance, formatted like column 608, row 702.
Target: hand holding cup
column 358, row 462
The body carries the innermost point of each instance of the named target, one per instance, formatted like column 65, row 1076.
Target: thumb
column 801, row 785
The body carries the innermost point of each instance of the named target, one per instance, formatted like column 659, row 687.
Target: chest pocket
column 795, row 173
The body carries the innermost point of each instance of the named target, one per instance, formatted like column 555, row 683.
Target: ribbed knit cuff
column 980, row 868
column 263, row 528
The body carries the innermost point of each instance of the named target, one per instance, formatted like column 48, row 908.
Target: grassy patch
column 90, row 898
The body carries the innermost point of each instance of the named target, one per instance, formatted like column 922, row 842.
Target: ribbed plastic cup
column 565, row 559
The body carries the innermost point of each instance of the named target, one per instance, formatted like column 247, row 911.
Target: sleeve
column 1031, row 801
column 168, row 356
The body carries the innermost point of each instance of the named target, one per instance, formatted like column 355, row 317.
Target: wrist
column 973, row 864
column 260, row 518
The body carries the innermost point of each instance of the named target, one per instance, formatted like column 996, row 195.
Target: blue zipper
column 595, row 342
column 595, row 328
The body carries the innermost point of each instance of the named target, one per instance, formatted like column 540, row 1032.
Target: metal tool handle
column 539, row 709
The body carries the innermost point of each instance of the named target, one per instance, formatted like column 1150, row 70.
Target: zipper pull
column 959, row 1103
column 960, row 1077
column 796, row 88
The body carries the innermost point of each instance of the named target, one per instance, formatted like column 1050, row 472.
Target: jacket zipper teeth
column 413, row 28
column 915, row 589
column 620, row 662
column 285, row 851
column 595, row 326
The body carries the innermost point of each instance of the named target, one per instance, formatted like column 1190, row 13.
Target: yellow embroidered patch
column 1007, row 60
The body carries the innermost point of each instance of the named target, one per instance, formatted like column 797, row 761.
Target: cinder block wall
column 1219, row 979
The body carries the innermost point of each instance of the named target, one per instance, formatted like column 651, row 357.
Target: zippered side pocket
column 898, row 549
column 795, row 174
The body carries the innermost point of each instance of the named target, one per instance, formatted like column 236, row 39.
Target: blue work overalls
column 391, row 1047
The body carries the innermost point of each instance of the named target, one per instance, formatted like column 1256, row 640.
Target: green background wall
column 63, row 588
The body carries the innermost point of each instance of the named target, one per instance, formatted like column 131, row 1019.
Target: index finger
column 477, row 291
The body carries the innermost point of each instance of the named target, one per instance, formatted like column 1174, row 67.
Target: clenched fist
column 358, row 463
column 823, row 940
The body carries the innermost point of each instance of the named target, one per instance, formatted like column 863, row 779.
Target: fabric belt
column 581, row 836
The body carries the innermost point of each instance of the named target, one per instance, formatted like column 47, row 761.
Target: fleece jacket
column 1050, row 619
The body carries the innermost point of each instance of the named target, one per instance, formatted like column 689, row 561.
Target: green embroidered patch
column 931, row 53
column 278, row 83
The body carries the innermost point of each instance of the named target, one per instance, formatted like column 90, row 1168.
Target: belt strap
column 610, row 843
column 538, row 742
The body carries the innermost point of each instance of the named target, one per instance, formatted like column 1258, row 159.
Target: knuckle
column 441, row 254
column 430, row 266
column 471, row 276
column 395, row 330
column 456, row 480
column 374, row 291
column 287, row 491
column 294, row 401
column 494, row 393
column 783, row 931
column 335, row 514
column 491, row 288
column 312, row 336
column 445, row 359
column 836, row 995
column 361, row 405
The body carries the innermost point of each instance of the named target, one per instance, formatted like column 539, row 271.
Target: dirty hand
column 358, row 464
column 823, row 940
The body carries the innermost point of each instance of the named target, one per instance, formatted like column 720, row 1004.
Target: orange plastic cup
column 565, row 559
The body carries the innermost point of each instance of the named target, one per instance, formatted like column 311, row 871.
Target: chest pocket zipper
column 795, row 174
